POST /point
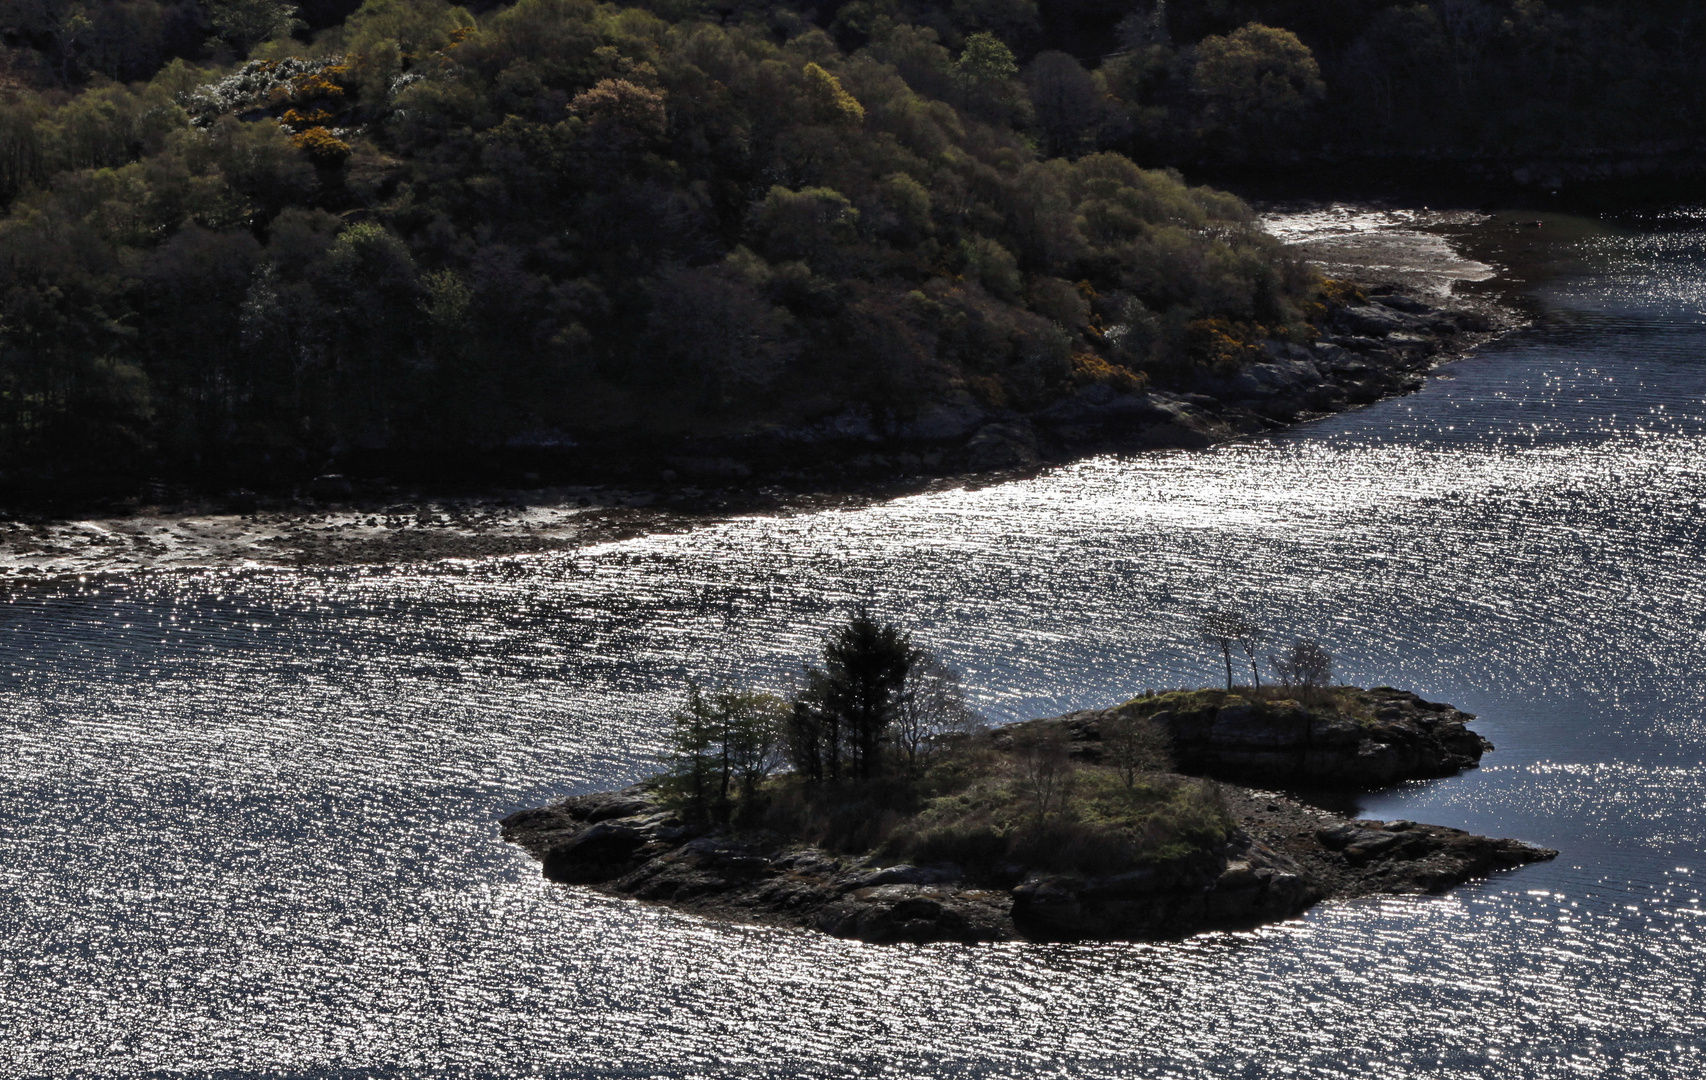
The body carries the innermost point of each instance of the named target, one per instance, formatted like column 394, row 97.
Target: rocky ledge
column 1285, row 858
column 1355, row 738
column 1283, row 855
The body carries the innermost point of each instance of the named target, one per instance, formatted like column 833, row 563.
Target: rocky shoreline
column 1378, row 347
column 1283, row 857
column 1375, row 347
column 1399, row 737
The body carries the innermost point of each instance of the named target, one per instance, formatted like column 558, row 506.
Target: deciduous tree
column 1066, row 100
column 1254, row 86
column 1133, row 745
column 1225, row 630
column 932, row 705
column 722, row 743
column 247, row 23
column 1045, row 772
column 1306, row 666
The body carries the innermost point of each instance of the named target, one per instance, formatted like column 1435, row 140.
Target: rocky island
column 1100, row 825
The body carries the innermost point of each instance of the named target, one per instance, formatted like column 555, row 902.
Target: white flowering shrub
column 263, row 85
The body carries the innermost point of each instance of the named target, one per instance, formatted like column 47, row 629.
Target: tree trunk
column 725, row 784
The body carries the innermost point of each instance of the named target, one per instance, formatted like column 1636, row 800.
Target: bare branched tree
column 1046, row 773
column 1226, row 630
column 1306, row 666
column 933, row 705
column 1134, row 745
column 1250, row 641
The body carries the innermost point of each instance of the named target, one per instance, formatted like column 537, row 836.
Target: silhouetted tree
column 807, row 736
column 864, row 674
column 1225, row 630
column 1305, row 666
column 933, row 704
column 691, row 779
column 1251, row 640
column 721, row 743
column 1046, row 772
column 843, row 712
column 1066, row 100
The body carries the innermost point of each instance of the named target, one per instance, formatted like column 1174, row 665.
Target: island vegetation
column 876, row 751
column 836, row 804
column 880, row 753
column 242, row 241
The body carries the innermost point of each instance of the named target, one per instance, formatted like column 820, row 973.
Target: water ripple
column 247, row 818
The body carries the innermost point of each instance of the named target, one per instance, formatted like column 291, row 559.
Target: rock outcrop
column 1247, row 884
column 1376, row 348
column 1285, row 744
column 1284, row 858
column 627, row 843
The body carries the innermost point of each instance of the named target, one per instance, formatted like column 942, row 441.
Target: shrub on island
column 883, row 755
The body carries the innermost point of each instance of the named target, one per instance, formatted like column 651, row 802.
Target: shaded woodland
column 245, row 240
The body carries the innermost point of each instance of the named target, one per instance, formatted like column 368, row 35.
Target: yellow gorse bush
column 321, row 146
column 296, row 120
column 1089, row 369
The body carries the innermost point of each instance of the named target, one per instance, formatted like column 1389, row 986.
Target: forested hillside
column 243, row 239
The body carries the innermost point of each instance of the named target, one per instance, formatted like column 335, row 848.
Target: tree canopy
column 428, row 231
column 415, row 229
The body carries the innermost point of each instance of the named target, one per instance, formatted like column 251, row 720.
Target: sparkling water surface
column 248, row 819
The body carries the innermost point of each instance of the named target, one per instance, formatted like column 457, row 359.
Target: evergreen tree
column 850, row 702
column 691, row 779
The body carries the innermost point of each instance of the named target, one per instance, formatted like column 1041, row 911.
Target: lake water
column 248, row 819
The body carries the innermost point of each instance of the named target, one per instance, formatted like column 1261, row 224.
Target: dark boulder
column 1251, row 884
column 597, row 853
column 886, row 914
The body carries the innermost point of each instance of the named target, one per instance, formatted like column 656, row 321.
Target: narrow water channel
column 248, row 819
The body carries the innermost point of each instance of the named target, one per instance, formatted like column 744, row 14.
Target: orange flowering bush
column 309, row 86
column 1333, row 293
column 1221, row 343
column 301, row 121
column 321, row 146
column 1339, row 293
column 1088, row 369
column 269, row 85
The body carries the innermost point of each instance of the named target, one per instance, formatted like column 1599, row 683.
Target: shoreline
column 1412, row 321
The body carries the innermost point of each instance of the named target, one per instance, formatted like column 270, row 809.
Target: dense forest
column 243, row 240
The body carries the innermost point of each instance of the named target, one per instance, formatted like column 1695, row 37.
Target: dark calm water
column 247, row 820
